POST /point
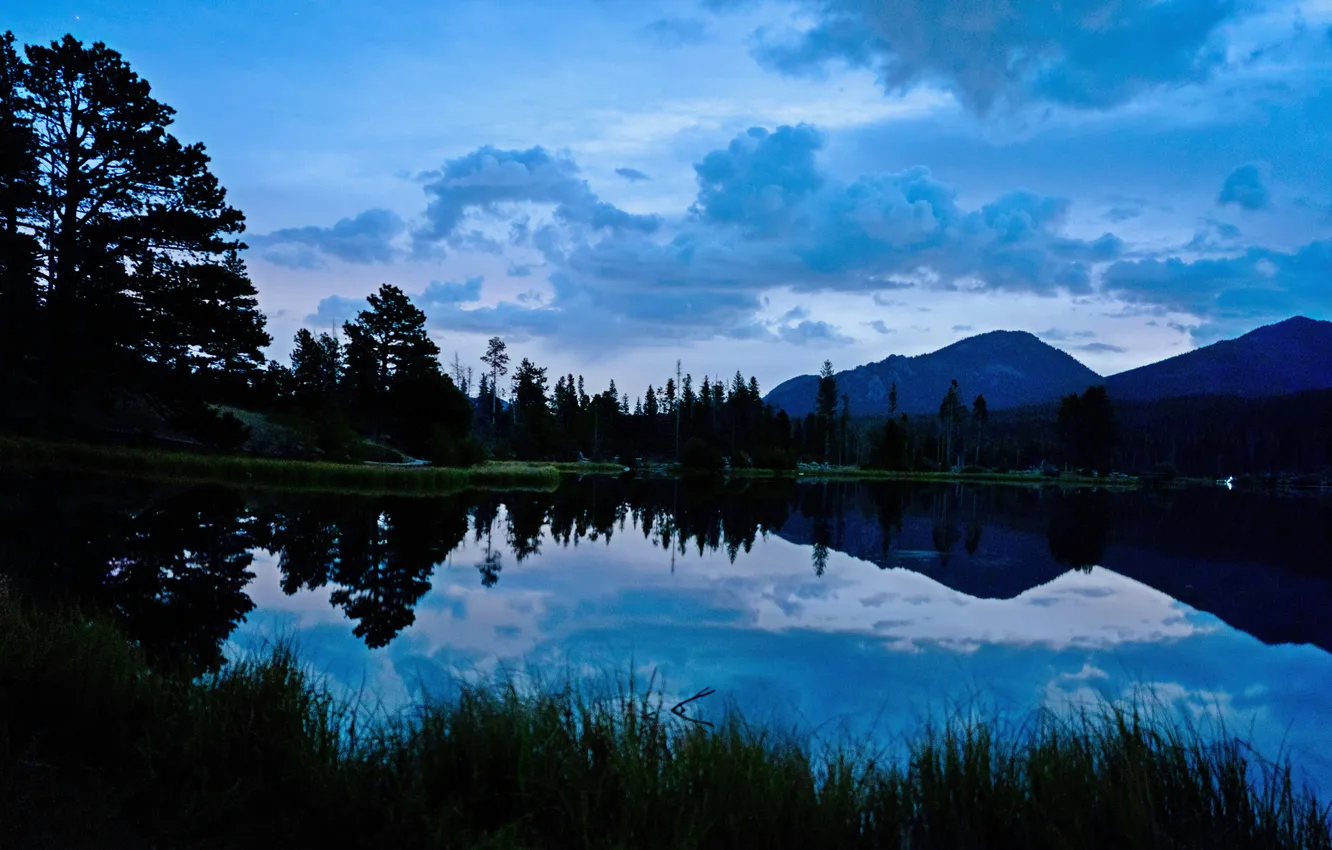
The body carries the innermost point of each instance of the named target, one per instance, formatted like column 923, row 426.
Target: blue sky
column 615, row 184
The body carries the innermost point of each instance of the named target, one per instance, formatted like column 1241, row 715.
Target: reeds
column 96, row 745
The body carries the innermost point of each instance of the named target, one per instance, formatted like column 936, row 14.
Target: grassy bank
column 18, row 452
column 96, row 751
column 842, row 473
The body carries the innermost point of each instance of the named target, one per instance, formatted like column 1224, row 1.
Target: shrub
column 447, row 450
column 335, row 438
column 218, row 430
column 702, row 456
column 774, row 458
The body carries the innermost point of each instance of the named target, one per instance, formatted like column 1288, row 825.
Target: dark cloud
column 962, row 328
column 365, row 238
column 1116, row 215
column 1101, row 348
column 451, row 293
column 1259, row 283
column 675, row 32
column 1060, row 335
column 520, row 269
column 1082, row 53
column 631, row 174
column 489, row 178
column 1246, row 187
column 809, row 332
column 879, row 327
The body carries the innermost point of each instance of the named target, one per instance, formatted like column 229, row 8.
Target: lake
column 843, row 609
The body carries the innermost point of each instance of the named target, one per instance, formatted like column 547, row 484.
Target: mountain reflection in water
column 811, row 601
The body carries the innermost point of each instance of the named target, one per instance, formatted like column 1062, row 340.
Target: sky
column 615, row 185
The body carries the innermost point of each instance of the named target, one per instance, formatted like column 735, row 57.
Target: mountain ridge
column 1017, row 369
column 1277, row 359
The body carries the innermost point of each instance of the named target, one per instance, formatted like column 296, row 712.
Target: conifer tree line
column 124, row 298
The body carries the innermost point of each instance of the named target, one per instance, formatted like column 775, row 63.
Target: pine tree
column 825, row 405
column 497, row 359
column 126, row 217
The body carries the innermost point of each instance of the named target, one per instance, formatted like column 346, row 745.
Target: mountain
column 1288, row 357
column 1010, row 368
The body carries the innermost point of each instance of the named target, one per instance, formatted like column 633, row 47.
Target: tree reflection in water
column 172, row 563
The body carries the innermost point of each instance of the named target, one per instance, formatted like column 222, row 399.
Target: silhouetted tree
column 825, row 405
column 136, row 240
column 1087, row 424
column 496, row 359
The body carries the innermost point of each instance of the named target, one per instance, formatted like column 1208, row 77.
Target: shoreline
column 269, row 473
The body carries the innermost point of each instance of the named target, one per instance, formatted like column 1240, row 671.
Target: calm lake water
column 843, row 609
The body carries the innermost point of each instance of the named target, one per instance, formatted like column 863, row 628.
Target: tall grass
column 262, row 472
column 95, row 746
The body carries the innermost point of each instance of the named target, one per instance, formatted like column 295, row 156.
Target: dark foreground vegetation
column 98, row 750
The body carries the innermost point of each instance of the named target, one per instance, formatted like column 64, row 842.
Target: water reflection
column 172, row 566
column 824, row 598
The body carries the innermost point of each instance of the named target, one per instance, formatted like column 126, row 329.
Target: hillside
column 1010, row 368
column 1288, row 357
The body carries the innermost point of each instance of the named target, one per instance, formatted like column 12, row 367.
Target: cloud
column 490, row 178
column 724, row 6
column 520, row 269
column 675, row 32
column 759, row 179
column 879, row 327
column 1060, row 335
column 1246, row 187
column 1214, row 236
column 767, row 216
column 1088, row 54
column 335, row 310
column 365, row 238
column 962, row 328
column 632, row 174
column 1101, row 348
column 810, row 332
column 1119, row 214
column 451, row 293
column 1258, row 283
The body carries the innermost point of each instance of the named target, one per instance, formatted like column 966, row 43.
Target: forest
column 127, row 314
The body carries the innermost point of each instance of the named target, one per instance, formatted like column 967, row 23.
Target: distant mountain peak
column 1010, row 368
column 1290, row 356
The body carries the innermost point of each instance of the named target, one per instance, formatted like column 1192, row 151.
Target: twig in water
column 678, row 708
